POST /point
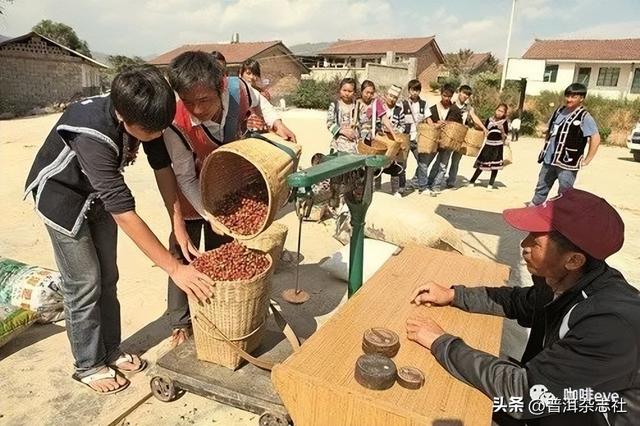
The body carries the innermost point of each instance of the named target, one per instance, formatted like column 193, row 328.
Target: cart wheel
column 164, row 389
column 273, row 419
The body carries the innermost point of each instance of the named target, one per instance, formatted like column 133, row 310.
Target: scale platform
column 248, row 388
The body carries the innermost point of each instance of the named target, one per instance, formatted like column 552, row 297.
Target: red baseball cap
column 585, row 219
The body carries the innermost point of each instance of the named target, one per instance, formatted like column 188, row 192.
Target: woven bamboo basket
column 405, row 146
column 238, row 310
column 473, row 141
column 393, row 147
column 376, row 148
column 428, row 136
column 237, row 164
column 452, row 136
column 270, row 241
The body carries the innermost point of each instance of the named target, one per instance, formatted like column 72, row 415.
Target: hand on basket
column 195, row 284
column 432, row 294
column 348, row 133
column 423, row 331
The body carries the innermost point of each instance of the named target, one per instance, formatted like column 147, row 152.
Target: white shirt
column 415, row 116
column 516, row 123
column 182, row 159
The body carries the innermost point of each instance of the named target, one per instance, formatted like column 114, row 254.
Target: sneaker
column 491, row 188
column 451, row 185
column 397, row 195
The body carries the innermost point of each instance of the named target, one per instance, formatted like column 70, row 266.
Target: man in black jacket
column 582, row 361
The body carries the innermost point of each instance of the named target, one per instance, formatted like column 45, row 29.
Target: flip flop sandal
column 128, row 358
column 110, row 374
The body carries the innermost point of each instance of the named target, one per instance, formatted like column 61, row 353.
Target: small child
column 342, row 119
column 490, row 157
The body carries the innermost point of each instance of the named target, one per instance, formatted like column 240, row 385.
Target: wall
column 386, row 75
column 568, row 72
column 428, row 65
column 36, row 74
column 282, row 71
column 329, row 74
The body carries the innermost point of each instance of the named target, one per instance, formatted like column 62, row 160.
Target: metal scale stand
column 249, row 387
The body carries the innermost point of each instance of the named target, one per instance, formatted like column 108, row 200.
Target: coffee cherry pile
column 231, row 262
column 245, row 211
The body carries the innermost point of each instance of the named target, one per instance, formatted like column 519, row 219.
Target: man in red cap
column 582, row 359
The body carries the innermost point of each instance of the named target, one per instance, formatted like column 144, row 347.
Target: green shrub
column 434, row 85
column 314, row 94
column 605, row 132
column 529, row 123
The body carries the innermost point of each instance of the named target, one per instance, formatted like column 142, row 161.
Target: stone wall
column 34, row 73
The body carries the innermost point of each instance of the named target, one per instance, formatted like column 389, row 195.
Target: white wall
column 328, row 74
column 568, row 72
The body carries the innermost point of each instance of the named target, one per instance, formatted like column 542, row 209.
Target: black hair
column 220, row 57
column 142, row 96
column 194, row 67
column 348, row 80
column 576, row 89
column 415, row 85
column 250, row 65
column 447, row 88
column 317, row 158
column 566, row 245
column 367, row 83
column 466, row 89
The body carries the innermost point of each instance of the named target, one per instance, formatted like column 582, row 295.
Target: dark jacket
column 588, row 338
column 80, row 161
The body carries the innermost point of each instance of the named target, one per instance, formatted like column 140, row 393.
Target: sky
column 146, row 28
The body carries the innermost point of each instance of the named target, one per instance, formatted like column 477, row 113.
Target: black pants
column 492, row 180
column 514, row 135
column 177, row 302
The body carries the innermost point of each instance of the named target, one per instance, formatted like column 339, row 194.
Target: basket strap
column 265, row 365
column 290, row 152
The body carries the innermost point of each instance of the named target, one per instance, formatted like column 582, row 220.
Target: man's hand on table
column 426, row 331
column 423, row 331
column 432, row 294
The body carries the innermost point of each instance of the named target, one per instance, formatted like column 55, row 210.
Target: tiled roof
column 596, row 50
column 380, row 46
column 235, row 53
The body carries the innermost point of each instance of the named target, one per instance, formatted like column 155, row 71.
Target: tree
column 456, row 63
column 120, row 62
column 62, row 34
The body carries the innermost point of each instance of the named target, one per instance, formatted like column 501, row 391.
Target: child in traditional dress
column 490, row 157
column 372, row 112
column 342, row 119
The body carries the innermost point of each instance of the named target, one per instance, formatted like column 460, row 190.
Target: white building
column 609, row 68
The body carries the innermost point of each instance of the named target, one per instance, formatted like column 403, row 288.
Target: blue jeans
column 546, row 179
column 453, row 168
column 87, row 263
column 420, row 180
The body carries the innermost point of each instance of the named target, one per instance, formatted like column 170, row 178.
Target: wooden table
column 317, row 383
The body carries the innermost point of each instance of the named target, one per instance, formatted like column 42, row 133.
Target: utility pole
column 506, row 54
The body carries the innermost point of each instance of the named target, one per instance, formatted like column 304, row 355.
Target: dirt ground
column 35, row 382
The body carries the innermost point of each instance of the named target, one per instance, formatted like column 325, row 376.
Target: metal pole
column 506, row 54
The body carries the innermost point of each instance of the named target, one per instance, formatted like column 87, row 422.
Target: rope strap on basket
column 207, row 325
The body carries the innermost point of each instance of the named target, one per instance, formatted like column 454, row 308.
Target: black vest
column 455, row 113
column 61, row 190
column 570, row 141
column 406, row 105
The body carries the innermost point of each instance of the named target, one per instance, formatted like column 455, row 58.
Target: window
column 608, row 77
column 635, row 85
column 550, row 74
column 584, row 75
